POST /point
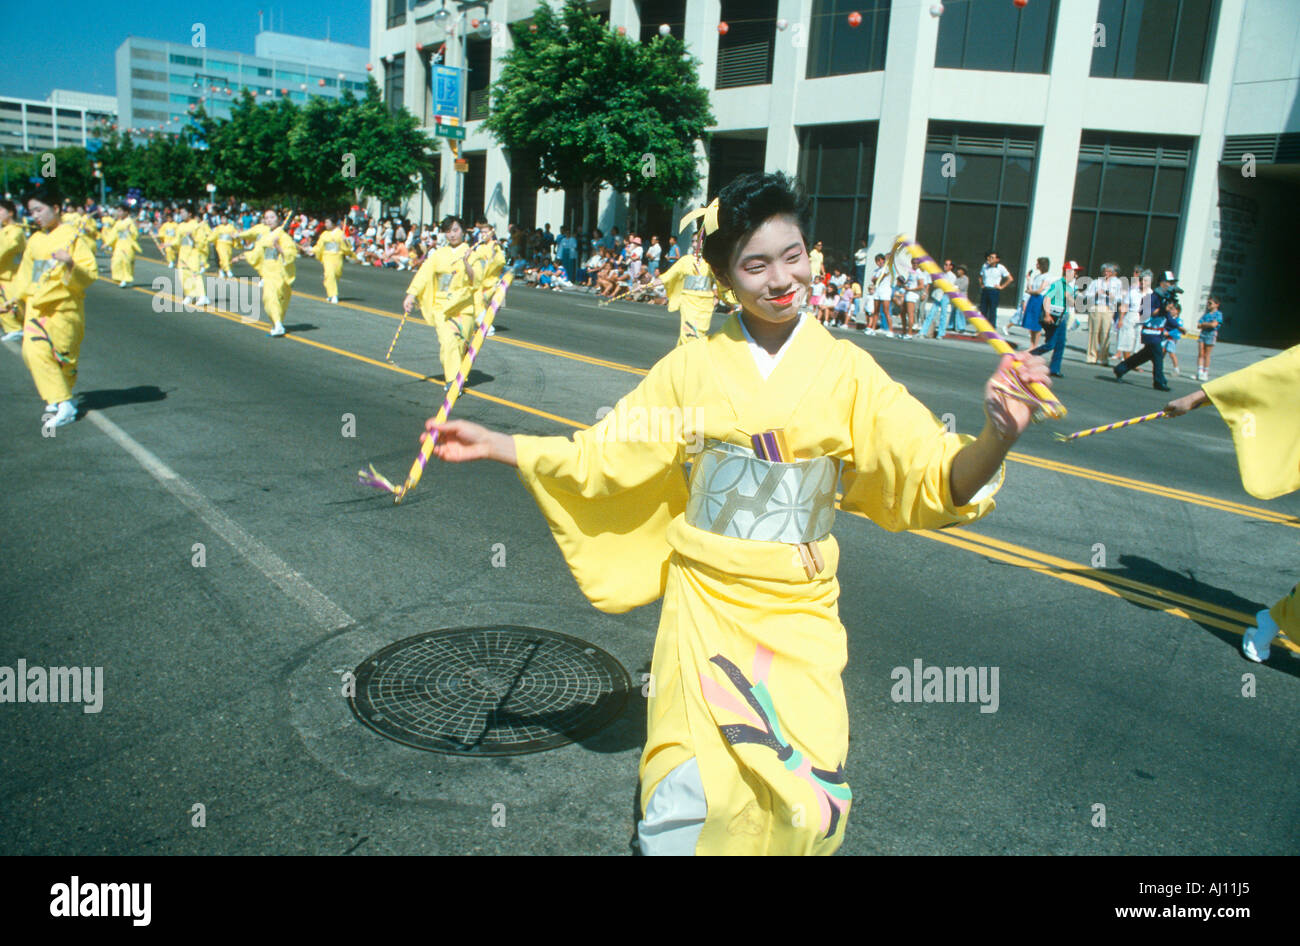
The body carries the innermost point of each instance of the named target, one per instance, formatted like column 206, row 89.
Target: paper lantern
column 723, row 27
column 622, row 31
column 936, row 10
column 855, row 18
column 782, row 24
column 1021, row 3
column 320, row 82
column 419, row 47
column 532, row 27
column 369, row 67
column 664, row 29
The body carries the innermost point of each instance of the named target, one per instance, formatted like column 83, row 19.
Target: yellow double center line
column 1173, row 603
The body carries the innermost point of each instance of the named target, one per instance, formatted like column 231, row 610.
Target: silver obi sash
column 331, row 247
column 270, row 251
column 734, row 493
column 695, row 283
column 444, row 281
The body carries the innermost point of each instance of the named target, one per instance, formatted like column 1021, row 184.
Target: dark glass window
column 479, row 59
column 1128, row 196
column 731, row 157
column 836, row 166
column 473, row 197
column 394, row 79
column 996, row 36
column 523, row 189
column 975, row 192
column 655, row 13
column 835, row 48
column 396, row 13
column 745, row 50
column 1164, row 40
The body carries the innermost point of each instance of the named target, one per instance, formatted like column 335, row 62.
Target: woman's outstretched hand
column 1009, row 416
column 460, row 441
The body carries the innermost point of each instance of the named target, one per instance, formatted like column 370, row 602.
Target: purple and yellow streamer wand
column 1036, row 395
column 372, row 477
column 1115, row 426
column 772, row 445
column 400, row 325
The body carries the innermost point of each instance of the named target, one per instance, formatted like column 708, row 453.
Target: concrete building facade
column 1163, row 133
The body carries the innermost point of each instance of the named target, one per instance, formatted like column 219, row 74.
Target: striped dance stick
column 1115, row 426
column 1037, row 395
column 373, row 478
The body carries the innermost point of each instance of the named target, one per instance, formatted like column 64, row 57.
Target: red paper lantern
column 284, row 91
column 723, row 27
column 855, row 18
column 1021, row 3
column 622, row 31
column 369, row 68
column 473, row 24
column 320, row 82
column 419, row 47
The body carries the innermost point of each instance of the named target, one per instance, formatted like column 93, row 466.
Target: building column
column 1057, row 160
column 1198, row 242
column 700, row 34
column 904, row 121
column 789, row 64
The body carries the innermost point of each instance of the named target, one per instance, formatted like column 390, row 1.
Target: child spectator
column 1209, row 329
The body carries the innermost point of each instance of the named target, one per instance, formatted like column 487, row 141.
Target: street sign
column 446, row 91
column 449, row 131
column 462, row 165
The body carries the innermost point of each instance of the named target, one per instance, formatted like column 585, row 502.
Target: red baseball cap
column 1071, row 265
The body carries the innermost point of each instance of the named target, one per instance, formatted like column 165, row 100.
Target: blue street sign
column 446, row 91
column 93, row 145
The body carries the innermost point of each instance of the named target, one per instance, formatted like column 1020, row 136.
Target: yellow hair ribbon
column 709, row 215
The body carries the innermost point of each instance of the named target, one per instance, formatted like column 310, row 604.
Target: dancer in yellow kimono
column 272, row 255
column 57, row 267
column 444, row 289
column 124, row 235
column 223, row 236
column 486, row 263
column 1258, row 404
column 691, row 287
column 331, row 249
column 13, row 240
column 190, row 232
column 747, row 724
column 168, row 233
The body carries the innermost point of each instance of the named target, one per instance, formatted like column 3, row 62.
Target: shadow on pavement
column 104, row 399
column 300, row 327
column 1141, row 569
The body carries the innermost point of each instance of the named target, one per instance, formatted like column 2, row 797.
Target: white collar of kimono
column 765, row 361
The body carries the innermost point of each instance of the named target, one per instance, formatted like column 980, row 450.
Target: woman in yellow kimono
column 168, row 233
column 690, row 287
column 124, row 235
column 1258, row 404
column 223, row 237
column 331, row 249
column 57, row 267
column 272, row 255
column 13, row 240
column 747, row 721
column 486, row 262
column 444, row 289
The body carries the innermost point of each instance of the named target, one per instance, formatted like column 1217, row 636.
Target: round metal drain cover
column 489, row 691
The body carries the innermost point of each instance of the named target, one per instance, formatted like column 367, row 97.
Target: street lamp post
column 442, row 19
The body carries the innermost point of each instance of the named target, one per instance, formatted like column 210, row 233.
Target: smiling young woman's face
column 771, row 275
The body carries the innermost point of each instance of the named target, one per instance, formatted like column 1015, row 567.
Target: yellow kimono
column 486, row 262
column 690, row 285
column 445, row 290
column 273, row 257
column 56, row 316
column 748, row 658
column 13, row 240
column 168, row 231
column 188, row 261
column 224, row 237
column 815, row 260
column 332, row 248
column 1259, row 406
column 124, row 236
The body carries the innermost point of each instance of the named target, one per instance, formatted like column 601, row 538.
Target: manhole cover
column 489, row 690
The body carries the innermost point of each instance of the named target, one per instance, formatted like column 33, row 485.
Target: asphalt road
column 1120, row 685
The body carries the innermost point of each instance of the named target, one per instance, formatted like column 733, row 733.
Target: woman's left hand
column 1009, row 416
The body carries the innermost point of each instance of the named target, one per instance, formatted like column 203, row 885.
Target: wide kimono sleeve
column 900, row 472
column 84, row 269
column 673, row 280
column 1258, row 404
column 610, row 492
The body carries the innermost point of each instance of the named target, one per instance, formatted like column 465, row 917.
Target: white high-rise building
column 1160, row 132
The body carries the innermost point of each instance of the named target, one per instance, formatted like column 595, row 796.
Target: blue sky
column 70, row 45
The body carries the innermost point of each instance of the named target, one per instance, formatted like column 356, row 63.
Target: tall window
column 396, row 13
column 394, row 79
column 996, row 36
column 836, row 48
column 745, row 50
column 975, row 192
column 474, row 182
column 478, row 55
column 523, row 189
column 1128, row 196
column 836, row 167
column 730, row 157
column 1166, row 40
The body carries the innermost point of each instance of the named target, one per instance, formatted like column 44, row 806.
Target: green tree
column 597, row 108
column 389, row 147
